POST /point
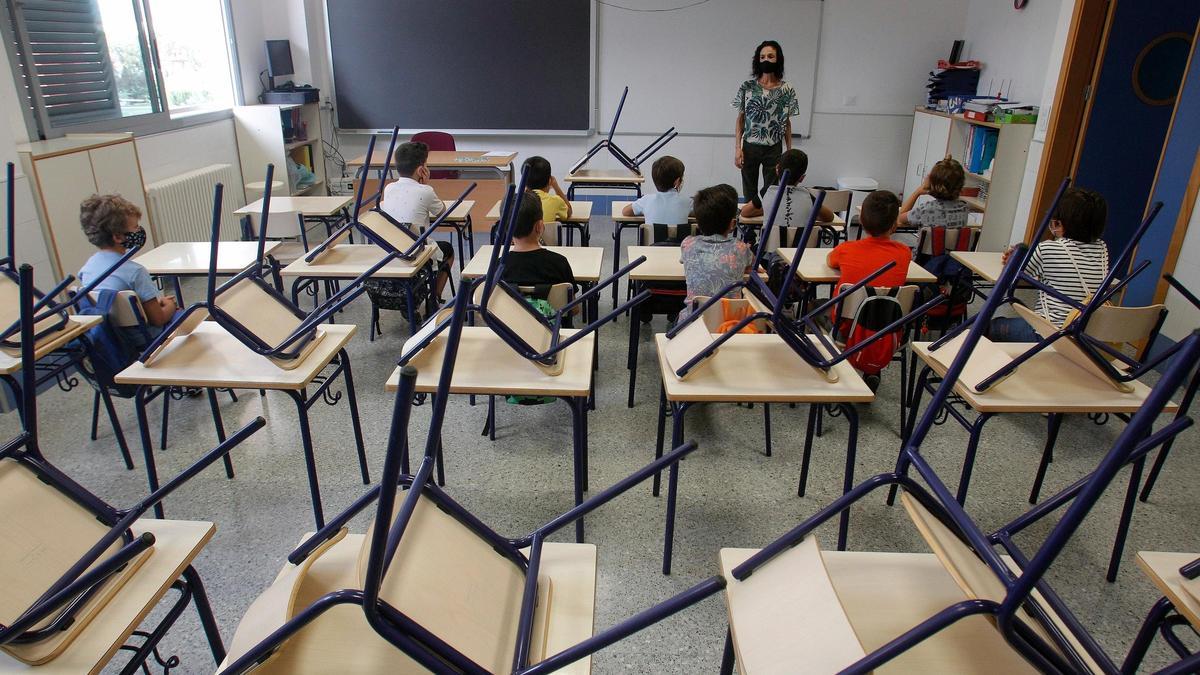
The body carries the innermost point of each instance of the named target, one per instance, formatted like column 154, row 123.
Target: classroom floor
column 730, row 495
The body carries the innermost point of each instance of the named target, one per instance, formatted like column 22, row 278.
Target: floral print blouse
column 766, row 111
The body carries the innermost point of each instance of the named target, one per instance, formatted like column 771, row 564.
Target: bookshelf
column 937, row 134
column 269, row 134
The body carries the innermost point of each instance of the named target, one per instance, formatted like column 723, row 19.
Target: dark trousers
column 754, row 156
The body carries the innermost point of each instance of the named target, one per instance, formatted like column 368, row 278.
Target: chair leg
column 727, row 658
column 116, row 427
column 166, row 396
column 95, row 414
column 374, row 321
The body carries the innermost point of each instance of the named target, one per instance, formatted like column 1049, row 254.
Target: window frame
column 37, row 120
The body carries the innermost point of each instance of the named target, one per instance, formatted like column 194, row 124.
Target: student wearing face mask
column 668, row 206
column 110, row 223
column 1074, row 262
column 765, row 104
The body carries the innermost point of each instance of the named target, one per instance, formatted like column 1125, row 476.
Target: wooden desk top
column 662, row 263
column 813, row 267
column 177, row 543
column 191, row 257
column 587, row 262
column 760, row 368
column 486, row 365
column 986, row 265
column 10, row 363
column 309, row 206
column 211, row 357
column 581, row 212
column 448, row 159
column 347, row 261
column 1163, row 571
column 1047, row 383
column 621, row 175
column 459, row 214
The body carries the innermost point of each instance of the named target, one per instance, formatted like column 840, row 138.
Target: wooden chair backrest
column 123, row 313
column 1123, row 325
column 971, row 574
column 45, row 532
column 925, row 239
column 675, row 233
column 789, row 236
column 381, row 227
column 1068, row 347
column 686, row 345
column 454, row 584
column 559, row 295
column 715, row 316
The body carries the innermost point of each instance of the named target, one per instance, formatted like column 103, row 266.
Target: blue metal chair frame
column 411, row 638
column 634, row 163
column 795, row 333
column 1100, row 353
column 493, row 282
column 60, row 602
column 1136, row 440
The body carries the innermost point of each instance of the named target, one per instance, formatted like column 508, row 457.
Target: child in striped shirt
column 1074, row 262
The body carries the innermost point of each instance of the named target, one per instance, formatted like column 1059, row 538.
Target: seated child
column 944, row 183
column 714, row 258
column 858, row 259
column 110, row 223
column 528, row 263
column 555, row 207
column 1074, row 262
column 411, row 200
column 797, row 202
column 667, row 206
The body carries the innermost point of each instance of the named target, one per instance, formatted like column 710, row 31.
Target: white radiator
column 181, row 206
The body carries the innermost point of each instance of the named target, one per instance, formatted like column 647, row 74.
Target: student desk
column 328, row 211
column 176, row 259
column 604, row 179
column 621, row 223
column 177, row 543
column 1048, row 383
column 762, row 369
column 348, row 261
column 212, row 359
column 487, row 366
column 985, row 267
column 580, row 219
column 10, row 365
column 459, row 220
column 662, row 264
column 457, row 160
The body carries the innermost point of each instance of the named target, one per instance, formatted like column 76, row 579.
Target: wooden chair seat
column 262, row 314
column 46, row 533
column 444, row 578
column 379, row 226
column 516, row 317
column 813, row 611
column 1068, row 347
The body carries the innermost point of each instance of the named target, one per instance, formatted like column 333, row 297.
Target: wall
column 873, row 63
column 1182, row 316
column 30, row 246
column 1012, row 45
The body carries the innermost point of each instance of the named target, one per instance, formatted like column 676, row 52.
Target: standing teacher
column 765, row 106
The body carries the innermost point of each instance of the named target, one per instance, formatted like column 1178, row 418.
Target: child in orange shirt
column 858, row 259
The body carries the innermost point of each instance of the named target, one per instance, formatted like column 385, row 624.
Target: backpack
column 777, row 270
column 108, row 352
column 874, row 314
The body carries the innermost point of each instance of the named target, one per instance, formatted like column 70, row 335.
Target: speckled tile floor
column 730, row 494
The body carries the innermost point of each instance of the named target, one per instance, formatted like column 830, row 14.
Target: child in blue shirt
column 667, row 206
column 110, row 223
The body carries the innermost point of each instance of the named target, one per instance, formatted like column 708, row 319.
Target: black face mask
column 136, row 238
column 768, row 67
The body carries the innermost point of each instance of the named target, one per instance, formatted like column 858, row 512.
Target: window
column 98, row 65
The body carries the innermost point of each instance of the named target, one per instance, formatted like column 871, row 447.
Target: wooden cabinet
column 937, row 134
column 65, row 171
column 269, row 134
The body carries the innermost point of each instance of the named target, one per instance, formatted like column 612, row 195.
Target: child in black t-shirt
column 528, row 264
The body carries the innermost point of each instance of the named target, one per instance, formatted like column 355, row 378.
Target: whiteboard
column 683, row 67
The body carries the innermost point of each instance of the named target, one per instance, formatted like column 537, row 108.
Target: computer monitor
column 279, row 59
